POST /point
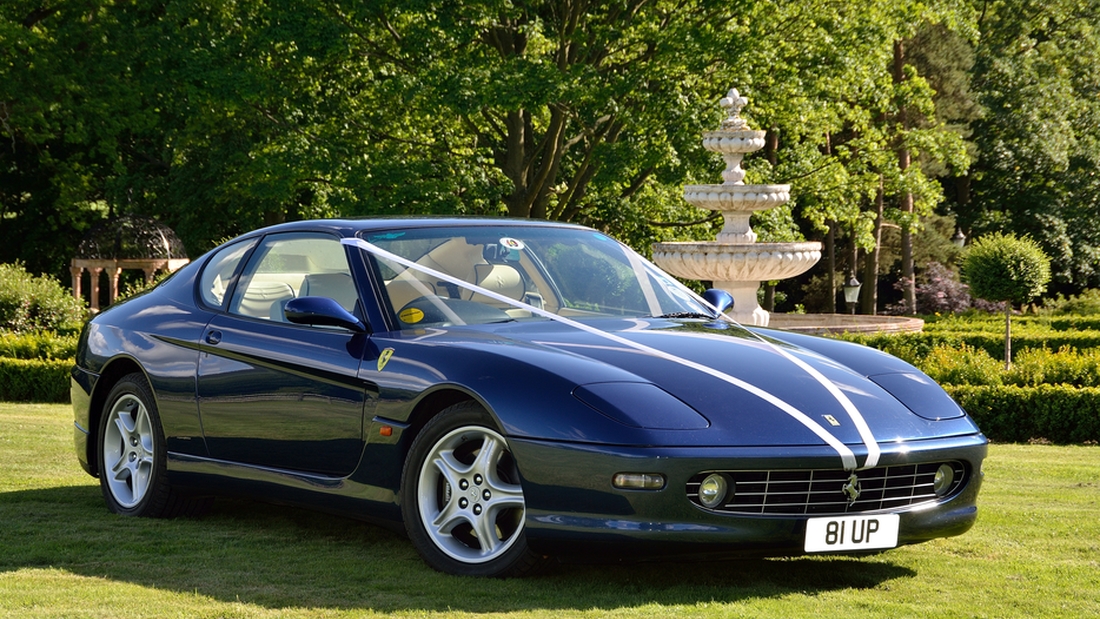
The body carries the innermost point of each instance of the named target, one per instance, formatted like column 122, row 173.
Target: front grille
column 821, row 492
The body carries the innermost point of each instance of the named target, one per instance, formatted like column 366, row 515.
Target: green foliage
column 1002, row 267
column 1085, row 304
column 1007, row 413
column 1052, row 390
column 965, row 365
column 1039, row 366
column 37, row 345
column 34, row 380
column 218, row 117
column 1038, row 141
column 29, row 303
column 961, row 366
column 915, row 348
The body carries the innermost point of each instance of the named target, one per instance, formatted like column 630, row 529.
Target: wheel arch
column 113, row 372
column 433, row 403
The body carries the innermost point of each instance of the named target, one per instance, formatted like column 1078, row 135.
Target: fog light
column 945, row 477
column 713, row 490
column 638, row 481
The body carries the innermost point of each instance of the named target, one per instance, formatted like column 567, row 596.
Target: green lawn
column 1035, row 552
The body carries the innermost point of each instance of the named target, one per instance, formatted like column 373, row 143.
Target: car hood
column 741, row 389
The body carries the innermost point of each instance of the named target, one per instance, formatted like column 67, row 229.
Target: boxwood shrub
column 34, row 380
column 37, row 345
column 916, row 346
column 35, row 303
column 1012, row 414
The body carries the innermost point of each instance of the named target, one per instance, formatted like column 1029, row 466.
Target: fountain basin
column 745, row 198
column 734, row 141
column 736, row 262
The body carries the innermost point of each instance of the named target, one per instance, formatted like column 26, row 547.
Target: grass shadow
column 281, row 557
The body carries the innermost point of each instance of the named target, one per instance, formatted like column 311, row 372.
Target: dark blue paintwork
column 296, row 412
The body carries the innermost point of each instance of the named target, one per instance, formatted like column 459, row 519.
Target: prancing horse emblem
column 852, row 489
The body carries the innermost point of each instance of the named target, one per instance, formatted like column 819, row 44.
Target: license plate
column 845, row 533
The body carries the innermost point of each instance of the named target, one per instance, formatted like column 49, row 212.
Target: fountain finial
column 733, row 102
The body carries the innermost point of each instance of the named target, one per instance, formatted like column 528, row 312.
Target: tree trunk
column 853, row 269
column 515, row 151
column 830, row 242
column 908, row 273
column 869, row 292
column 1008, row 336
column 830, row 273
column 962, row 199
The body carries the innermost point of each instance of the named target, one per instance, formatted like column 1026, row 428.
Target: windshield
column 498, row 273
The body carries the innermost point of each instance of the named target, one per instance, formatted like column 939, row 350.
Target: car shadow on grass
column 283, row 557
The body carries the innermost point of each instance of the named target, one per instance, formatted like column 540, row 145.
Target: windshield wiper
column 686, row 315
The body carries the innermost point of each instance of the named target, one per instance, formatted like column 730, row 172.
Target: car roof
column 351, row 226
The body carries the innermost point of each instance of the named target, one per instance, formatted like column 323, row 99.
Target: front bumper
column 573, row 510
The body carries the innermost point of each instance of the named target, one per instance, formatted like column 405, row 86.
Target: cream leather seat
column 336, row 286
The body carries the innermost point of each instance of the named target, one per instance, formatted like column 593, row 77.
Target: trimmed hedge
column 38, row 345
column 1011, row 414
column 913, row 347
column 34, row 380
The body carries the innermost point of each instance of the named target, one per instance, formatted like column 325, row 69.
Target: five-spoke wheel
column 128, row 451
column 132, row 456
column 462, row 498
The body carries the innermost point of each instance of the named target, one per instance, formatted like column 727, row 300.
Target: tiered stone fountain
column 735, row 262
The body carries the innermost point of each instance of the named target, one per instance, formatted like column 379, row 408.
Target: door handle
column 213, row 337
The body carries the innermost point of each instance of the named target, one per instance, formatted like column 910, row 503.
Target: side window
column 292, row 265
column 218, row 273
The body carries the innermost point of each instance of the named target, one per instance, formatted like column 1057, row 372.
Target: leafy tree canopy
column 1002, row 267
column 218, row 116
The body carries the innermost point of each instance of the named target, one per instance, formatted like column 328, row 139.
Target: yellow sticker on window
column 411, row 316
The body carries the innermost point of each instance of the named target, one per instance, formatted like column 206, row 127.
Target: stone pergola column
column 78, row 274
column 96, row 272
column 115, row 273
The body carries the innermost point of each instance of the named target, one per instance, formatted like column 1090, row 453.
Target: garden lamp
column 851, row 293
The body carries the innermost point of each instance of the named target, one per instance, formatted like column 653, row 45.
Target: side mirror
column 719, row 299
column 321, row 311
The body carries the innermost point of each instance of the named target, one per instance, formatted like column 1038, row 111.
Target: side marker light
column 638, row 481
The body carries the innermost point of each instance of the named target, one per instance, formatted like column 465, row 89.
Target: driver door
column 276, row 394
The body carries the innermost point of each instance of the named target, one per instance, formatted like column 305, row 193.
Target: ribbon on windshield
column 847, row 457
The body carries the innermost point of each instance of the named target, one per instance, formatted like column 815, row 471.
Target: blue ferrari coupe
column 507, row 392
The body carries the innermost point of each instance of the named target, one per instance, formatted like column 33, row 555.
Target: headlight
column 713, row 490
column 945, row 477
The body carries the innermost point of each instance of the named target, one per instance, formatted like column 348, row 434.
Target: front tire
column 461, row 497
column 132, row 456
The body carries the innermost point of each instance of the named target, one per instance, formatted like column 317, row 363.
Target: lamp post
column 851, row 293
column 959, row 239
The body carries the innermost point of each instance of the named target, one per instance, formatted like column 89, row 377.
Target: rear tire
column 461, row 497
column 133, row 471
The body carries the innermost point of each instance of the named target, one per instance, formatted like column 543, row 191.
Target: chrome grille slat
column 817, row 492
